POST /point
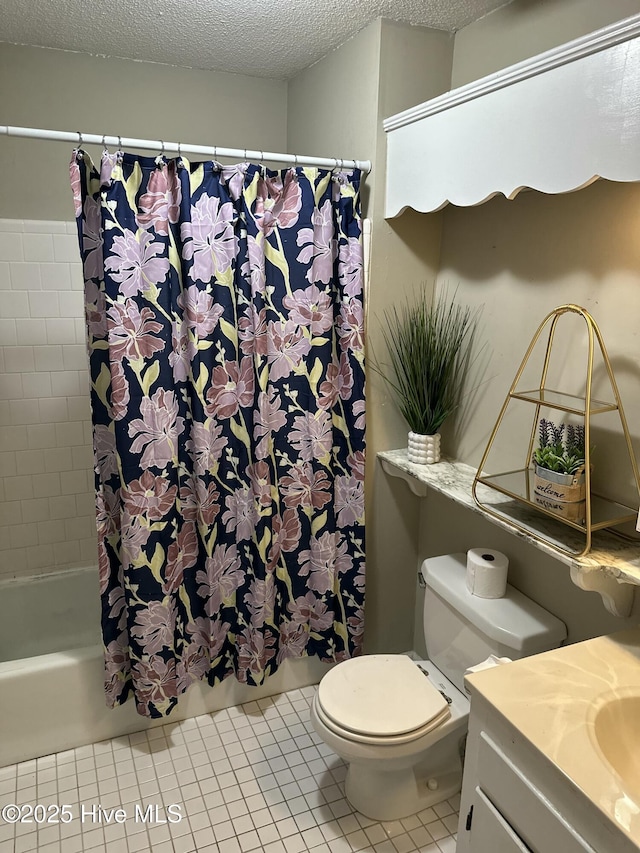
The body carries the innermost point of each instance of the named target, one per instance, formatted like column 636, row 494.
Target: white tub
column 51, row 674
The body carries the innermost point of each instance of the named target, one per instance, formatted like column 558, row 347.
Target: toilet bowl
column 399, row 725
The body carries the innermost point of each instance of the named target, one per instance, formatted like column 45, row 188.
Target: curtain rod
column 79, row 139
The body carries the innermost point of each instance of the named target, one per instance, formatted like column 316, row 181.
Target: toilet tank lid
column 515, row 621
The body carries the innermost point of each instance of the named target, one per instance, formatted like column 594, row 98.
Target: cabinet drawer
column 524, row 807
column 490, row 831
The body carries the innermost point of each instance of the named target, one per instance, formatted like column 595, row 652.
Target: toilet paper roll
column 487, row 572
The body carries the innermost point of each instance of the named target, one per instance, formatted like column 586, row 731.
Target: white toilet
column 400, row 724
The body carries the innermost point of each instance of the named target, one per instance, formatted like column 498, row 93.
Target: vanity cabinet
column 515, row 800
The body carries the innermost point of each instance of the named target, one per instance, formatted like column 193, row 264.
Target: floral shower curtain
column 225, row 331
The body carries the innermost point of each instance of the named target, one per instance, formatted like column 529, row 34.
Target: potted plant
column 429, row 344
column 559, row 478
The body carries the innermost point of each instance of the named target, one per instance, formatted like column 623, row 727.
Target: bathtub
column 51, row 671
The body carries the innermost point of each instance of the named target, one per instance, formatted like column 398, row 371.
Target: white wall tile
column 48, row 357
column 19, row 360
column 5, row 276
column 23, row 535
column 59, row 459
column 65, row 383
column 30, row 331
column 70, row 434
column 62, row 506
column 24, row 412
column 67, row 553
column 19, row 488
column 8, row 464
column 78, row 528
column 89, row 549
column 25, row 276
column 13, row 438
column 84, row 386
column 75, row 357
column 71, row 303
column 45, row 304
column 10, row 513
column 12, row 226
column 40, row 556
column 10, row 386
column 55, row 277
column 41, row 436
column 14, row 304
column 79, row 408
column 83, row 456
column 36, row 509
column 66, row 248
column 11, row 247
column 29, row 461
column 8, row 336
column 36, row 385
column 44, row 226
column 77, row 277
column 46, row 485
column 60, row 331
column 53, row 410
column 73, row 482
column 38, row 247
column 50, row 532
column 46, row 458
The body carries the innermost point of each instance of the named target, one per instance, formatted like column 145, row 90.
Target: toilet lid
column 380, row 695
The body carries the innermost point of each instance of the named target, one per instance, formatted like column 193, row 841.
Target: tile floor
column 251, row 778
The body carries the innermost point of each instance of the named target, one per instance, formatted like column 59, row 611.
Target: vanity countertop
column 552, row 698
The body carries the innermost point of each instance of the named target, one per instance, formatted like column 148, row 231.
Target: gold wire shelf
column 600, row 512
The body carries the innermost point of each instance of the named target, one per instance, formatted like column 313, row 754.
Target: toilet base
column 389, row 782
column 394, row 794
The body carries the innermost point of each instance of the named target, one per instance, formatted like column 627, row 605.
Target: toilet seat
column 380, row 699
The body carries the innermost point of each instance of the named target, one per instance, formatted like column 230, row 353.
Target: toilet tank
column 462, row 629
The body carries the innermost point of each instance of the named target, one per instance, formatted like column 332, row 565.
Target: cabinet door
column 531, row 813
column 490, row 833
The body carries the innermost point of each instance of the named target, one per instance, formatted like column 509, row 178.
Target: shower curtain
column 225, row 331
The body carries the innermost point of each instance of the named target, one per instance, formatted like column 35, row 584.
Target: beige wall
column 389, row 67
column 46, row 478
column 60, row 90
column 524, row 28
column 519, row 260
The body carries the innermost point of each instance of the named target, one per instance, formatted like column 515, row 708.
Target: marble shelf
column 611, row 568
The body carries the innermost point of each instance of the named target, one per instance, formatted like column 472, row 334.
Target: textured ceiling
column 265, row 38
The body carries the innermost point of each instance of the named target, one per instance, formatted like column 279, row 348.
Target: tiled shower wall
column 46, row 476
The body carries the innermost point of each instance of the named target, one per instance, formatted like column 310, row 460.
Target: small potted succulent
column 559, row 478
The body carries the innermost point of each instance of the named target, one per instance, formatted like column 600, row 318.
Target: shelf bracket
column 417, row 487
column 617, row 596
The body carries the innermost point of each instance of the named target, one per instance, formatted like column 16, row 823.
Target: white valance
column 554, row 123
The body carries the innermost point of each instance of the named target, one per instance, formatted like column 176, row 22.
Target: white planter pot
column 423, row 449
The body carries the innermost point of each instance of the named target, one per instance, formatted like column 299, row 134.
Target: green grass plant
column 429, row 345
